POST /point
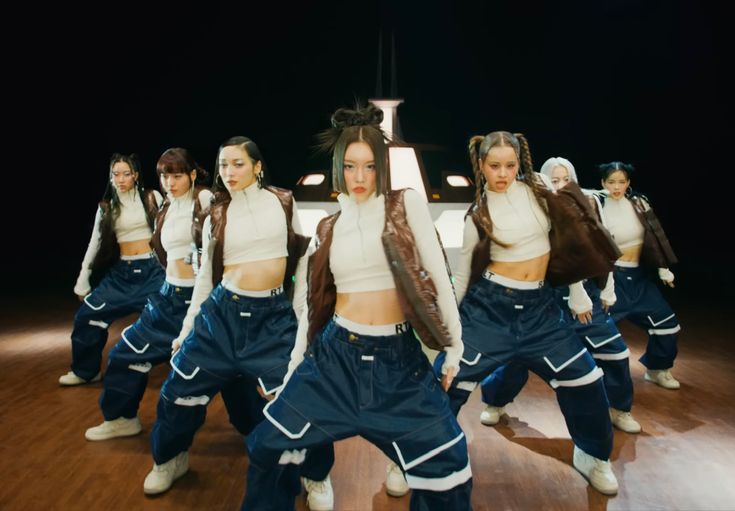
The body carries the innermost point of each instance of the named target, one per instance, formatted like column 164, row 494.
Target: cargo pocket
column 272, row 379
column 134, row 344
column 284, row 418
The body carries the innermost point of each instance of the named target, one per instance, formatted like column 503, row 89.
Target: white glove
column 607, row 294
column 579, row 300
column 666, row 276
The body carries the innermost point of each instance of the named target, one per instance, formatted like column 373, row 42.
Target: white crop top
column 623, row 223
column 130, row 225
column 357, row 261
column 518, row 220
column 176, row 235
column 256, row 230
column 356, row 257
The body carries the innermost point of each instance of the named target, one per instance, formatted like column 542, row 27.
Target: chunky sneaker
column 662, row 378
column 71, row 378
column 624, row 421
column 490, row 416
column 163, row 476
column 113, row 429
column 320, row 496
column 598, row 472
column 395, row 481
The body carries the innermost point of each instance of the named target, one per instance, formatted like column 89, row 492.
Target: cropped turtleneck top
column 130, row 224
column 623, row 223
column 176, row 235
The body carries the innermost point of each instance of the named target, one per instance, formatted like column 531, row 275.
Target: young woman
column 593, row 325
column 240, row 326
column 376, row 274
column 119, row 251
column 646, row 249
column 147, row 342
column 518, row 235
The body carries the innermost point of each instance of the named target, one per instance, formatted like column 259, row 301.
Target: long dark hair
column 110, row 194
column 253, row 152
column 480, row 145
column 361, row 124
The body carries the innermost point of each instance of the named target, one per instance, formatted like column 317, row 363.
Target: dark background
column 641, row 82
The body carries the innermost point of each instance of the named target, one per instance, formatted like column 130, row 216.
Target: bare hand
column 81, row 298
column 584, row 317
column 267, row 397
column 669, row 283
column 447, row 378
column 175, row 346
column 605, row 306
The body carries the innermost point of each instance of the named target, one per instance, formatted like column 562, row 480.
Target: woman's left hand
column 447, row 378
column 584, row 317
column 267, row 397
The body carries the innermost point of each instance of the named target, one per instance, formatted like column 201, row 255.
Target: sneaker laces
column 667, row 375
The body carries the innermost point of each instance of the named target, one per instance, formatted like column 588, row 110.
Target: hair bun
column 367, row 116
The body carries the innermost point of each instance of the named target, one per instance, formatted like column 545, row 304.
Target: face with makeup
column 560, row 177
column 177, row 184
column 359, row 171
column 236, row 169
column 500, row 168
column 123, row 178
column 617, row 184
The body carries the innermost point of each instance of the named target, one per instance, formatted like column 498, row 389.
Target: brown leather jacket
column 198, row 215
column 416, row 290
column 580, row 246
column 109, row 251
column 656, row 251
column 296, row 243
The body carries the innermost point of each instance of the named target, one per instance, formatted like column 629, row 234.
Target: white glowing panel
column 309, row 219
column 390, row 114
column 458, row 181
column 450, row 225
column 404, row 170
column 313, row 179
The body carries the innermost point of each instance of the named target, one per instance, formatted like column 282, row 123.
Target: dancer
column 119, row 252
column 376, row 274
column 646, row 249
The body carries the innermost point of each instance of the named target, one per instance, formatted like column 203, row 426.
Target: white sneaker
column 490, row 416
column 598, row 472
column 163, row 476
column 395, row 481
column 71, row 378
column 662, row 378
column 320, row 496
column 624, row 421
column 113, row 429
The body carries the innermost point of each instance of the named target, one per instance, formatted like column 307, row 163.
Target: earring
column 259, row 178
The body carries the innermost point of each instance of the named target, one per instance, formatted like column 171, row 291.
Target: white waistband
column 253, row 294
column 515, row 284
column 180, row 282
column 374, row 330
column 627, row 264
column 136, row 257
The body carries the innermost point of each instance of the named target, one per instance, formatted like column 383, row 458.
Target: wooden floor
column 684, row 459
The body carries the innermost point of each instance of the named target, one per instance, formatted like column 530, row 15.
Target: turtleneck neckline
column 127, row 197
column 347, row 201
column 249, row 191
column 512, row 187
column 188, row 196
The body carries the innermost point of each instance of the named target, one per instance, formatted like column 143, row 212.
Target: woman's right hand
column 175, row 345
column 447, row 378
column 81, row 298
